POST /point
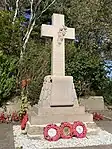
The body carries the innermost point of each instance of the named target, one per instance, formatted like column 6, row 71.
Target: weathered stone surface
column 60, row 110
column 58, row 91
column 61, row 93
column 35, row 119
column 34, row 130
column 45, row 94
column 92, row 102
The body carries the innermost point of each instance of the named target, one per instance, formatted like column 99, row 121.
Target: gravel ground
column 103, row 138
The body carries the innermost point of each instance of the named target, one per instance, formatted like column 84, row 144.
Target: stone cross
column 59, row 32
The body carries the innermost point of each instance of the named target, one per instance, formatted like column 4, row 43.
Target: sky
column 109, row 63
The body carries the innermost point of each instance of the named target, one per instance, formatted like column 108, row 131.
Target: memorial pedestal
column 58, row 103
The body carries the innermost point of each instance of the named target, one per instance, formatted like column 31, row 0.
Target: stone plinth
column 58, row 91
column 46, row 113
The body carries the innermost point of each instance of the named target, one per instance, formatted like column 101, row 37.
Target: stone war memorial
column 58, row 100
column 58, row 121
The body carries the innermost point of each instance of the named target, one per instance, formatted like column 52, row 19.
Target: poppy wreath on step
column 79, row 129
column 52, row 132
column 97, row 116
column 66, row 130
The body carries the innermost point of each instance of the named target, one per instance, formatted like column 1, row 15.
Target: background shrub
column 7, row 76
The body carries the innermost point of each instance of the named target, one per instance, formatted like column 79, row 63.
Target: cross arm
column 70, row 33
column 47, row 30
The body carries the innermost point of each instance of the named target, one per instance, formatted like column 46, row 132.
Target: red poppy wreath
column 66, row 130
column 79, row 129
column 52, row 132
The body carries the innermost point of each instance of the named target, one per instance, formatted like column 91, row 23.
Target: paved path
column 6, row 136
column 105, row 125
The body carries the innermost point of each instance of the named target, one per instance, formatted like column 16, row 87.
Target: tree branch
column 33, row 24
column 28, row 35
column 16, row 11
column 46, row 8
column 38, row 3
column 31, row 8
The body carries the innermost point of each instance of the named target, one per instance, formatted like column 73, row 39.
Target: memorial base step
column 59, row 110
column 35, row 119
column 36, row 131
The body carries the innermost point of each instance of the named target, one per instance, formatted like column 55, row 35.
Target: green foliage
column 91, row 20
column 10, row 46
column 10, row 34
column 7, row 76
column 87, row 69
column 107, row 92
column 35, row 66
